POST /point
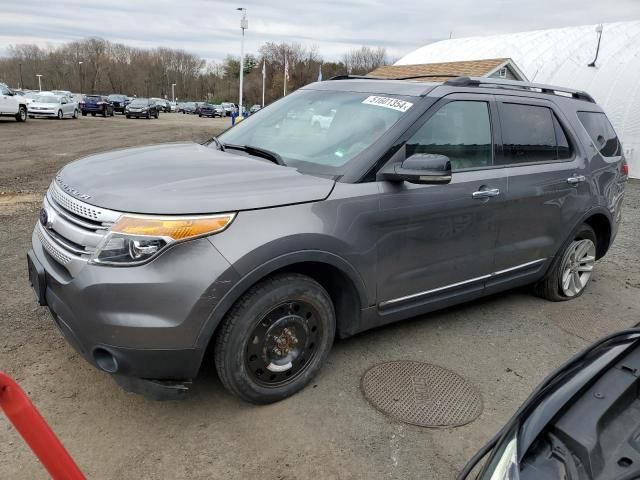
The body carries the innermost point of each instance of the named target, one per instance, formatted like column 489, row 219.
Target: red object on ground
column 36, row 432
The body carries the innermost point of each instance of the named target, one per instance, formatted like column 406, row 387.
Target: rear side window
column 532, row 134
column 461, row 130
column 601, row 132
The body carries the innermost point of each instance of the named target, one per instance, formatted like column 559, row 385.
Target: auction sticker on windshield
column 388, row 102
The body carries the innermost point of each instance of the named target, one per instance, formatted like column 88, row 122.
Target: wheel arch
column 336, row 275
column 601, row 225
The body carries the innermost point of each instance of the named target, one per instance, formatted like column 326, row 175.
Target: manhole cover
column 421, row 394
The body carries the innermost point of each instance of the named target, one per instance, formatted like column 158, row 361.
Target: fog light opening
column 105, row 360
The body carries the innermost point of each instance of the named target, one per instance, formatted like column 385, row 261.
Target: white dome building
column 561, row 57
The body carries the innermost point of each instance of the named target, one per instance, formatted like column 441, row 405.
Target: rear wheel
column 276, row 337
column 21, row 116
column 571, row 272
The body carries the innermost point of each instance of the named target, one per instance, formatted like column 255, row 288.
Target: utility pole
column 244, row 24
column 81, row 76
column 173, row 92
column 39, row 81
column 20, row 80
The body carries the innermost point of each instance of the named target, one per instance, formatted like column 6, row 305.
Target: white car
column 48, row 105
column 12, row 105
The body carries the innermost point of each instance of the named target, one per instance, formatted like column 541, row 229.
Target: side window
column 601, row 132
column 461, row 130
column 531, row 134
column 4, row 90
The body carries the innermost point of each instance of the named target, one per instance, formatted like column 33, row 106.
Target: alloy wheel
column 577, row 267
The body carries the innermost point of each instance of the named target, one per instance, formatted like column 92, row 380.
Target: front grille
column 75, row 228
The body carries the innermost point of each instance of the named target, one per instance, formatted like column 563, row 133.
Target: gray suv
column 265, row 244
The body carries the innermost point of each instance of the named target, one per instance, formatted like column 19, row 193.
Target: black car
column 142, row 107
column 119, row 102
column 189, row 107
column 581, row 423
column 210, row 110
column 96, row 104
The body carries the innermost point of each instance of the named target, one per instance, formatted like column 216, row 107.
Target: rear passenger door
column 548, row 187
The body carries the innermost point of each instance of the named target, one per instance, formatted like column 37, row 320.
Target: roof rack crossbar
column 518, row 85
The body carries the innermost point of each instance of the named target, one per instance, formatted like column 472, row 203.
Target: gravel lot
column 503, row 345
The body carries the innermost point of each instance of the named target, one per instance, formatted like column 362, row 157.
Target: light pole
column 39, row 81
column 173, row 92
column 599, row 32
column 20, row 69
column 244, row 24
column 81, row 77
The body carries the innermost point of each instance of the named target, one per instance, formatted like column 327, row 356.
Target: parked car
column 229, row 108
column 12, row 105
column 163, row 105
column 62, row 93
column 189, row 107
column 96, row 104
column 119, row 102
column 254, row 109
column 270, row 241
column 52, row 106
column 143, row 108
column 173, row 107
column 211, row 110
column 580, row 423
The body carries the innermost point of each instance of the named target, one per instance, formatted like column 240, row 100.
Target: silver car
column 53, row 106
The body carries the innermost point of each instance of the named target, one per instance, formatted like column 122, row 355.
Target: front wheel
column 60, row 115
column 75, row 114
column 276, row 337
column 157, row 115
column 21, row 116
column 571, row 272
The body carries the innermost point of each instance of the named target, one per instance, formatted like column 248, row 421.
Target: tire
column 113, row 113
column 93, row 114
column 21, row 116
column 570, row 274
column 128, row 116
column 292, row 321
column 148, row 115
column 84, row 114
column 75, row 114
column 104, row 113
column 60, row 115
column 157, row 115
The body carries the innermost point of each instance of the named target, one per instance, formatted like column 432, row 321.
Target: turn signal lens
column 181, row 228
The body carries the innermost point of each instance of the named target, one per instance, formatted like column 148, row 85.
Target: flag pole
column 286, row 74
column 264, row 76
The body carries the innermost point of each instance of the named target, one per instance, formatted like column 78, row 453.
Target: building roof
column 561, row 57
column 468, row 68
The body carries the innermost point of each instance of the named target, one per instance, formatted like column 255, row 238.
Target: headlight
column 135, row 239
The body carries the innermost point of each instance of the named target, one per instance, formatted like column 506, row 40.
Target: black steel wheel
column 276, row 337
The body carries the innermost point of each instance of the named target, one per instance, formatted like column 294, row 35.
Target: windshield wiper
column 258, row 152
column 218, row 143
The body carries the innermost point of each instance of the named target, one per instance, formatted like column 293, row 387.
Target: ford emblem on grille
column 44, row 218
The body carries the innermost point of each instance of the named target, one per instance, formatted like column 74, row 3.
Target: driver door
column 437, row 242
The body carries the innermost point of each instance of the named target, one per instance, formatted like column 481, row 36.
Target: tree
column 363, row 60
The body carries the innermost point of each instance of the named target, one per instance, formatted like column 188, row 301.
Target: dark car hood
column 187, row 179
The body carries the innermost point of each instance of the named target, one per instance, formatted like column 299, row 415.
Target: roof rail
column 411, row 77
column 519, row 85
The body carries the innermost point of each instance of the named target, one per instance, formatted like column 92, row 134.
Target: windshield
column 116, row 97
column 46, row 99
column 139, row 102
column 319, row 131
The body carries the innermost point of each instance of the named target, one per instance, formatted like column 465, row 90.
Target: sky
column 211, row 29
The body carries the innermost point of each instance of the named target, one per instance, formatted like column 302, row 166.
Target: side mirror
column 420, row 168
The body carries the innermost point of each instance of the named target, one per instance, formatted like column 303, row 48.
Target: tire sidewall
column 247, row 316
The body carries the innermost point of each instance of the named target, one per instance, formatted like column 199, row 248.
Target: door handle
column 576, row 179
column 490, row 192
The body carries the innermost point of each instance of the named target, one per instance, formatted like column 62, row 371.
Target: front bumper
column 144, row 320
column 42, row 113
column 139, row 114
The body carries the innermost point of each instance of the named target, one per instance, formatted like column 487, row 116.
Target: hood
column 187, row 178
column 43, row 104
